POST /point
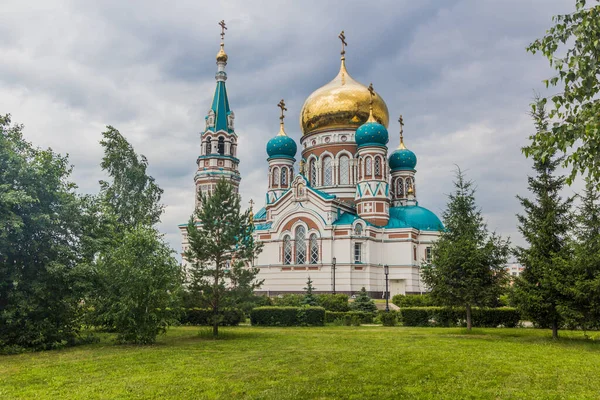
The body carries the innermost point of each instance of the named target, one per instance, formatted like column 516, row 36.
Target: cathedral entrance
column 397, row 286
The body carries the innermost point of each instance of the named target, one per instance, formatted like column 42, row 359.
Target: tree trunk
column 469, row 323
column 215, row 321
column 554, row 329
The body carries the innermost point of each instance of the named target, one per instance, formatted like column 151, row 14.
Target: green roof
column 220, row 107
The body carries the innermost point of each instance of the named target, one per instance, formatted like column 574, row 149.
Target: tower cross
column 251, row 202
column 401, row 120
column 223, row 29
column 343, row 39
column 372, row 93
column 282, row 106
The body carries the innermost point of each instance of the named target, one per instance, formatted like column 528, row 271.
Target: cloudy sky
column 456, row 69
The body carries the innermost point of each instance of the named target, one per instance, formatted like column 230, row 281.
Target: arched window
column 208, row 146
column 368, row 167
column 275, row 176
column 400, row 187
column 300, row 245
column 408, row 185
column 377, row 166
column 314, row 249
column 327, row 172
column 283, row 176
column 313, row 172
column 393, row 189
column 221, row 145
column 344, row 170
column 287, row 250
column 358, row 229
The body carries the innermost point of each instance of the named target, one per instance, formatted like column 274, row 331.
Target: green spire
column 220, row 106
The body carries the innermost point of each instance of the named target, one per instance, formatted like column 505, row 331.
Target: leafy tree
column 136, row 278
column 310, row 299
column 41, row 234
column 140, row 281
column 540, row 290
column 221, row 250
column 583, row 296
column 572, row 47
column 363, row 302
column 468, row 262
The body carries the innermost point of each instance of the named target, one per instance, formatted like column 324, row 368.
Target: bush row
column 444, row 316
column 330, row 302
column 413, row 300
column 203, row 316
column 363, row 317
column 288, row 316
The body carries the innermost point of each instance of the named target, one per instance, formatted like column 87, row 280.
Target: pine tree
column 221, row 250
column 468, row 262
column 363, row 302
column 540, row 290
column 310, row 299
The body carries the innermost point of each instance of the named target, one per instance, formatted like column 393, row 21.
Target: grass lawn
column 368, row 362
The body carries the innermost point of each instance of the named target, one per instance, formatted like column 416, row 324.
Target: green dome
column 371, row 133
column 414, row 217
column 403, row 159
column 281, row 146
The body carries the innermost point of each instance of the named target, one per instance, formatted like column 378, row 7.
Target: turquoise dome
column 414, row 217
column 281, row 146
column 403, row 159
column 371, row 133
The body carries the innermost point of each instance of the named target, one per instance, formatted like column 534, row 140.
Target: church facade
column 347, row 212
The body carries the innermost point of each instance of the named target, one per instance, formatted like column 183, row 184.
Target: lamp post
column 386, row 270
column 333, row 266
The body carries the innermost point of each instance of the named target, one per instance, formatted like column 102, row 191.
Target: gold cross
column 343, row 39
column 223, row 29
column 401, row 120
column 251, row 203
column 282, row 106
column 371, row 92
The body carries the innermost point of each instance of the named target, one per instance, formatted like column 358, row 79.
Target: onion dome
column 343, row 103
column 402, row 159
column 221, row 55
column 281, row 146
column 371, row 132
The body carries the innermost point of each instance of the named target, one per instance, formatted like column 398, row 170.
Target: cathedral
column 349, row 213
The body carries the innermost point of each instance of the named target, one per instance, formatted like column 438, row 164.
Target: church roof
column 261, row 214
column 402, row 217
column 220, row 106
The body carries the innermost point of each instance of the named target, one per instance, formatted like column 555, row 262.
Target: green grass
column 368, row 362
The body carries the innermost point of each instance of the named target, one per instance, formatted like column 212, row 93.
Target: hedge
column 444, row 316
column 364, row 317
column 288, row 316
column 413, row 300
column 203, row 316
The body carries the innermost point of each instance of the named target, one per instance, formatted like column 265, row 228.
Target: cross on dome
column 343, row 39
column 223, row 29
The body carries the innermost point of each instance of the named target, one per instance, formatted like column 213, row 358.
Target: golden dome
column 343, row 103
column 221, row 55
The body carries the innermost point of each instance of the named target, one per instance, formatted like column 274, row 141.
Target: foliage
column 413, row 300
column 288, row 300
column 468, row 262
column 388, row 318
column 204, row 317
column 42, row 234
column 334, row 302
column 288, row 316
column 310, row 299
column 363, row 317
column 540, row 290
column 363, row 302
column 449, row 317
column 572, row 46
column 138, row 282
column 221, row 250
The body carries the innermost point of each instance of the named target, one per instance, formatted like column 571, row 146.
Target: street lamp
column 386, row 271
column 333, row 266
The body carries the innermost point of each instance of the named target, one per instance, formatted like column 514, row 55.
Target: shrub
column 363, row 302
column 363, row 317
column 288, row 300
column 204, row 317
column 415, row 316
column 414, row 300
column 288, row 316
column 448, row 317
column 354, row 320
column 334, row 302
column 388, row 318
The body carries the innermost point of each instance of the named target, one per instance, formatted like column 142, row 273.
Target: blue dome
column 281, row 146
column 414, row 217
column 403, row 159
column 371, row 133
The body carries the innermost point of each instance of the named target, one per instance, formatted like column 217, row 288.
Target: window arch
column 300, row 245
column 358, row 229
column 377, row 166
column 408, row 185
column 368, row 167
column 208, row 146
column 344, row 170
column 284, row 172
column 327, row 172
column 314, row 249
column 313, row 172
column 275, row 176
column 393, row 190
column 221, row 145
column 287, row 250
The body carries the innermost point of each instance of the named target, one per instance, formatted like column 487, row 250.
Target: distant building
column 514, row 270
